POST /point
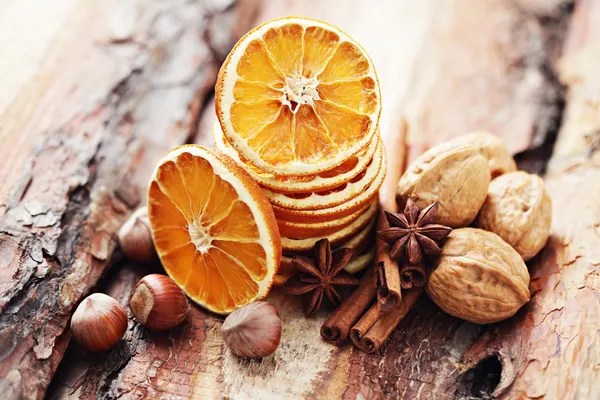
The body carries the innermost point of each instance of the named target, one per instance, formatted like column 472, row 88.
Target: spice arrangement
column 475, row 273
column 289, row 199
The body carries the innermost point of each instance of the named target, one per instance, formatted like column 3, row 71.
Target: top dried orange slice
column 297, row 96
column 213, row 228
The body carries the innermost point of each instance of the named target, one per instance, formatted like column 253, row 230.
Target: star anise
column 320, row 276
column 413, row 233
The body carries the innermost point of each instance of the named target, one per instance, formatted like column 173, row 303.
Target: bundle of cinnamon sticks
column 387, row 291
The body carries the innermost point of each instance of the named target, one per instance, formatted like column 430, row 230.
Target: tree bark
column 124, row 83
column 550, row 350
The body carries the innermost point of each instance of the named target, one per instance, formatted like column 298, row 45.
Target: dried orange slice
column 291, row 245
column 333, row 213
column 299, row 230
column 300, row 183
column 297, row 96
column 213, row 228
column 332, row 197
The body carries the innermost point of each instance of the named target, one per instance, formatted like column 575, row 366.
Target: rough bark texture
column 449, row 66
column 550, row 350
column 132, row 81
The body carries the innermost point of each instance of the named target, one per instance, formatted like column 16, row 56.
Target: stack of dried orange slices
column 298, row 105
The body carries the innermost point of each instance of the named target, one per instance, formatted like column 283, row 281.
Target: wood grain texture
column 551, row 350
column 426, row 55
column 125, row 85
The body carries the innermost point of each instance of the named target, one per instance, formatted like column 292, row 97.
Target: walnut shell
column 499, row 158
column 519, row 210
column 457, row 178
column 478, row 277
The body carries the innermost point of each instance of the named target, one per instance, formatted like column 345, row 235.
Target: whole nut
column 253, row 330
column 519, row 210
column 478, row 277
column 135, row 237
column 499, row 158
column 158, row 302
column 457, row 178
column 99, row 323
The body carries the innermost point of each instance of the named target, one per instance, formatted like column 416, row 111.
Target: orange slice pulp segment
column 297, row 96
column 213, row 229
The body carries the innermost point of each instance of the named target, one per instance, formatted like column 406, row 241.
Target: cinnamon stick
column 335, row 330
column 364, row 324
column 412, row 276
column 387, row 279
column 387, row 273
column 383, row 327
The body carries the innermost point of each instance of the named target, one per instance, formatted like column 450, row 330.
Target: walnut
column 499, row 158
column 457, row 178
column 519, row 210
column 478, row 277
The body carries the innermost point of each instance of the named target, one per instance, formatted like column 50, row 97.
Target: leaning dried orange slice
column 297, row 96
column 300, row 183
column 213, row 228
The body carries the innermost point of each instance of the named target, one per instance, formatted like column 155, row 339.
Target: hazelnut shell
column 158, row 302
column 253, row 330
column 99, row 323
column 135, row 237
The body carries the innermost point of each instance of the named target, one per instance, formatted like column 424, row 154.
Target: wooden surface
column 110, row 88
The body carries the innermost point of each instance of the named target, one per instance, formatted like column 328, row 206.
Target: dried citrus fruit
column 300, row 231
column 301, row 183
column 297, row 96
column 291, row 245
column 333, row 213
column 213, row 228
column 332, row 197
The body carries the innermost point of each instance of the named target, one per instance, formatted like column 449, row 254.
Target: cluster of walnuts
column 501, row 218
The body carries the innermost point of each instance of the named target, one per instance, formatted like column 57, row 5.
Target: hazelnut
column 499, row 158
column 158, row 303
column 478, row 277
column 135, row 237
column 519, row 210
column 99, row 323
column 457, row 178
column 253, row 330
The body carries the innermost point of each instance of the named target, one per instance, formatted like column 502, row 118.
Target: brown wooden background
column 93, row 93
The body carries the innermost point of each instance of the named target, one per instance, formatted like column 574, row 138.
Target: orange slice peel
column 339, row 211
column 332, row 197
column 291, row 245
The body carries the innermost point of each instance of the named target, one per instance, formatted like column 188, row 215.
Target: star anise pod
column 413, row 234
column 321, row 275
